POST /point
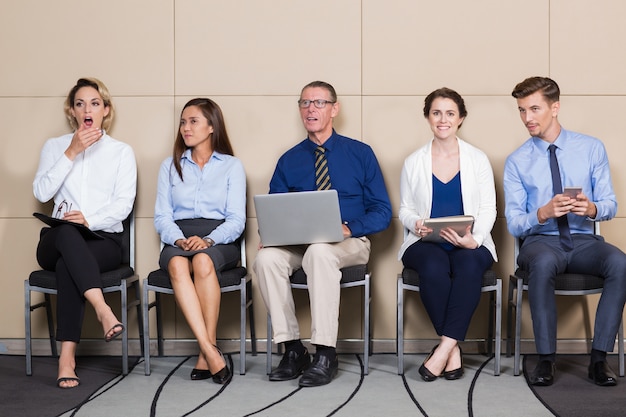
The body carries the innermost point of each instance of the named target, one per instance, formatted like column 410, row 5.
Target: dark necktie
column 557, row 188
column 322, row 178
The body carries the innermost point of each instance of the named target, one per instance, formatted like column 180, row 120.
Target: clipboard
column 457, row 223
column 53, row 222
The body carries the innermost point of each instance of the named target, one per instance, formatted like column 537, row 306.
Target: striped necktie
column 322, row 178
column 564, row 232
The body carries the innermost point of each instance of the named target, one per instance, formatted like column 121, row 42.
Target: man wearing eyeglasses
column 354, row 172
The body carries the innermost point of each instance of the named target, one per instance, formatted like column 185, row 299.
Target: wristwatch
column 209, row 242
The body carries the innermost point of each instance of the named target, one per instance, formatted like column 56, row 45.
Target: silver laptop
column 298, row 218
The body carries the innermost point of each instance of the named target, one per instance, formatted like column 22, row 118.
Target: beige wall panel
column 480, row 47
column 22, row 141
column 18, row 256
column 394, row 128
column 597, row 116
column 148, row 124
column 270, row 48
column 128, row 45
column 587, row 54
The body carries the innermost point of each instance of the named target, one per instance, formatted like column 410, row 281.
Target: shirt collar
column 560, row 141
column 187, row 155
column 329, row 144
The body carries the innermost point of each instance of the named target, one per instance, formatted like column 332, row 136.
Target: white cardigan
column 477, row 190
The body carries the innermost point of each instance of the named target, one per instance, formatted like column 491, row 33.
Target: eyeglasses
column 320, row 104
column 63, row 208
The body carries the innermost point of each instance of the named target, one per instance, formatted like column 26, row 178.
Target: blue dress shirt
column 528, row 183
column 354, row 173
column 217, row 191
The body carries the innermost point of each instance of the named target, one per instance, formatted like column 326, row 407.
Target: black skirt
column 224, row 256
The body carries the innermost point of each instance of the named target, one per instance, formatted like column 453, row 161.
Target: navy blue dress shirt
column 354, row 173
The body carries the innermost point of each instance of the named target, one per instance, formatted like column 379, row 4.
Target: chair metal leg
column 137, row 304
column 366, row 324
column 400, row 327
column 27, row 329
column 159, row 321
column 268, row 361
column 146, row 328
column 498, row 343
column 124, row 304
column 518, row 328
column 251, row 320
column 243, row 302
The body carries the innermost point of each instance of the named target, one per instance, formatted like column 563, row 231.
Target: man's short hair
column 324, row 85
column 548, row 87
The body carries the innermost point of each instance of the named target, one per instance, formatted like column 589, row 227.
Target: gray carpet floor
column 169, row 392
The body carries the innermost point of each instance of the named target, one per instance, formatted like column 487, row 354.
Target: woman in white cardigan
column 446, row 177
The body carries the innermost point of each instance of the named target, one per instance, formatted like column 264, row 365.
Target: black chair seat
column 569, row 282
column 47, row 279
column 161, row 278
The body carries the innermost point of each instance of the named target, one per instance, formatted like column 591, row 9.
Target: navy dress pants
column 450, row 283
column 543, row 258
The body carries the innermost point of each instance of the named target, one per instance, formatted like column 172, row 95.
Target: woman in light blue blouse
column 200, row 213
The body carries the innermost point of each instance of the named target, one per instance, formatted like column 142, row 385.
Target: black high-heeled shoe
column 423, row 370
column 200, row 374
column 224, row 375
column 455, row 373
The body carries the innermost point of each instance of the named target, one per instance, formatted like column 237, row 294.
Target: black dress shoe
column 455, row 373
column 224, row 375
column 291, row 365
column 321, row 371
column 200, row 374
column 543, row 374
column 602, row 374
column 423, row 370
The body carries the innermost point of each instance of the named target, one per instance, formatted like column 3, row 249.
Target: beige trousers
column 321, row 263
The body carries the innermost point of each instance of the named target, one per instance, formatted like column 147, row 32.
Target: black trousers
column 78, row 264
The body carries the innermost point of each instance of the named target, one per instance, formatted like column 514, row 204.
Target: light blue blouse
column 217, row 191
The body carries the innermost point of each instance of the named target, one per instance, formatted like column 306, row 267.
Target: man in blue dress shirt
column 557, row 228
column 365, row 209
